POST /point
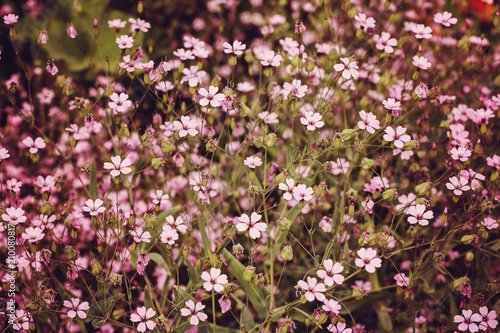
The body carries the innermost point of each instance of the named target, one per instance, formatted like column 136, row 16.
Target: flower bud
column 248, row 273
column 286, row 253
column 43, row 37
column 71, row 31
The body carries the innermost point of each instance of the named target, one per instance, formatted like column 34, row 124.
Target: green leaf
column 246, row 319
column 157, row 258
column 93, row 181
column 255, row 294
column 204, row 237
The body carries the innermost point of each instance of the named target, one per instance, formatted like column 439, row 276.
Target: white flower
column 348, row 68
column 252, row 224
column 118, row 166
column 312, row 120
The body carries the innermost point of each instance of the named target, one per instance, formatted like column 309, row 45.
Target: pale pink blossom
column 269, row 58
column 186, row 126
column 139, row 24
column 295, row 89
column 368, row 259
column 422, row 32
column 169, row 235
column 419, row 215
column 313, row 289
column 348, row 68
column 421, row 62
column 462, row 154
column 77, row 308
column 446, row 19
column 33, row 235
column 331, row 306
column 143, row 317
column 489, row 319
column 124, row 42
column 71, row 31
column 363, row 22
column 393, row 107
column 467, row 321
column 251, row 224
column 312, row 120
column 158, row 197
column 94, row 207
column 339, row 328
column 489, row 223
column 194, row 310
column 38, row 143
column 368, row 121
column 140, row 235
column 236, row 49
column 458, row 186
column 14, row 216
column 178, row 224
column 288, row 187
column 385, row 42
column 211, row 97
column 252, row 162
column 330, row 273
column 214, row 280
column 302, row 193
column 398, row 136
column 119, row 103
column 10, row 19
column 402, row 280
column 118, row 166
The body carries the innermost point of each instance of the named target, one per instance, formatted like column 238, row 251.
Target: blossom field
column 250, row 166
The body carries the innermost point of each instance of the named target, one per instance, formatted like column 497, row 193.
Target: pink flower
column 4, row 154
column 402, row 280
column 445, row 19
column 211, row 96
column 169, row 235
column 331, row 273
column 339, row 328
column 295, row 89
column 481, row 116
column 393, row 107
column 313, row 289
column 331, row 306
column 142, row 317
column 252, row 162
column 14, row 185
column 33, row 235
column 419, row 215
column 186, row 126
column 94, row 207
column 349, row 68
column 34, row 145
column 119, row 103
column 236, row 49
column 397, row 136
column 118, row 166
column 363, row 22
column 117, row 24
column 312, row 120
column 178, row 224
column 139, row 24
column 368, row 259
column 421, row 90
column 406, row 202
column 193, row 76
column 288, row 187
column 14, row 216
column 468, row 321
column 10, row 19
column 51, row 67
column 158, row 197
column 71, row 31
column 225, row 303
column 458, row 185
column 43, row 37
column 77, row 308
column 214, row 280
column 184, row 55
column 489, row 318
column 385, row 42
column 422, row 32
column 421, row 62
column 462, row 154
column 489, row 223
column 268, row 58
column 124, row 42
column 140, row 235
column 369, row 122
column 252, row 224
column 193, row 310
column 302, row 193
column 368, row 206
column 340, row 165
